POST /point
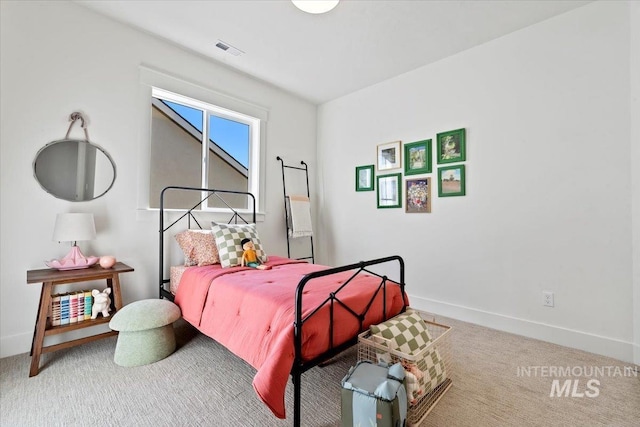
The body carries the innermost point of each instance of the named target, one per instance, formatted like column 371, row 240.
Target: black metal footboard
column 333, row 299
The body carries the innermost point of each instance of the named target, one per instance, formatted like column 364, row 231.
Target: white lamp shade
column 315, row 6
column 72, row 227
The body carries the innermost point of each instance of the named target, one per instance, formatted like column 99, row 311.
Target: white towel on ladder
column 300, row 215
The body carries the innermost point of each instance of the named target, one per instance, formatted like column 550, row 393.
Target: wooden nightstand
column 51, row 278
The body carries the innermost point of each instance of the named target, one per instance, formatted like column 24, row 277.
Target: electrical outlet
column 547, row 298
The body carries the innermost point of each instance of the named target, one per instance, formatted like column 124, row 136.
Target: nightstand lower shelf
column 51, row 278
column 61, row 329
column 73, row 343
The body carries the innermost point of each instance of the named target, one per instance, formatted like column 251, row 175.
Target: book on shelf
column 55, row 310
column 73, row 307
column 80, row 297
column 64, row 309
column 88, row 304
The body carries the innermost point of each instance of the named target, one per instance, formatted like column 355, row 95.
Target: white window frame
column 253, row 169
column 225, row 106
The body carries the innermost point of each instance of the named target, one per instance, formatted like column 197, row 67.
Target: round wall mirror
column 74, row 170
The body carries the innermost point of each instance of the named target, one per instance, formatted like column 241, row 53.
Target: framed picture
column 451, row 146
column 417, row 157
column 389, row 156
column 389, row 189
column 451, row 181
column 418, row 194
column 364, row 178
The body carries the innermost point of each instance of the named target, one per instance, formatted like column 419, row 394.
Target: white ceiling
column 323, row 57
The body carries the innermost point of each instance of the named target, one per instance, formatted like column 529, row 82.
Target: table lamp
column 73, row 227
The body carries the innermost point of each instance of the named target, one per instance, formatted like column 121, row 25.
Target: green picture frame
column 451, row 181
column 417, row 157
column 389, row 191
column 364, row 177
column 451, row 146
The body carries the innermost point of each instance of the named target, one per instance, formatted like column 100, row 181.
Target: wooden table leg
column 115, row 288
column 35, row 327
column 41, row 324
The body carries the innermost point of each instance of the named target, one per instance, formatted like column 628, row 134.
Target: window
column 197, row 144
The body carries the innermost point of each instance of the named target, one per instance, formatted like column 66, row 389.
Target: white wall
column 634, row 49
column 58, row 57
column 548, row 204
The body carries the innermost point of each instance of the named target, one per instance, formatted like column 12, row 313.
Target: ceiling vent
column 228, row 48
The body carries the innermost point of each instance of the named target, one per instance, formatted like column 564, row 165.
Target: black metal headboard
column 206, row 194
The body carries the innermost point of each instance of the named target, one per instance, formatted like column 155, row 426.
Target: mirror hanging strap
column 73, row 118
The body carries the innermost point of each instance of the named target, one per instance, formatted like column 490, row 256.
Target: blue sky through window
column 231, row 136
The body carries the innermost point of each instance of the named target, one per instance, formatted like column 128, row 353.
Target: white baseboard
column 617, row 349
column 15, row 344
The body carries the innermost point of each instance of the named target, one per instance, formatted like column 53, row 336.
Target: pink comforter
column 251, row 312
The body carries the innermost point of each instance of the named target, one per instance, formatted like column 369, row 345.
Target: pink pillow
column 198, row 246
column 184, row 241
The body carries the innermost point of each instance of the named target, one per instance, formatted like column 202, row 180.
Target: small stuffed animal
column 101, row 303
column 413, row 375
column 412, row 386
column 249, row 256
column 413, row 368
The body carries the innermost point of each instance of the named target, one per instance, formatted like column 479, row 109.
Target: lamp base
column 74, row 260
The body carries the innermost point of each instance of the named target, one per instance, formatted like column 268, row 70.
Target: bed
column 284, row 320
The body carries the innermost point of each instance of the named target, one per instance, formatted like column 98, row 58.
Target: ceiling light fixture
column 315, row 6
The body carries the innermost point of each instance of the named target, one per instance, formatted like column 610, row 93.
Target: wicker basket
column 377, row 351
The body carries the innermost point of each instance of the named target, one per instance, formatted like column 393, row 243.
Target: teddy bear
column 101, row 303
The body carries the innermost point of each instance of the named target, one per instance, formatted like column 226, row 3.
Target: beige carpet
column 203, row 384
